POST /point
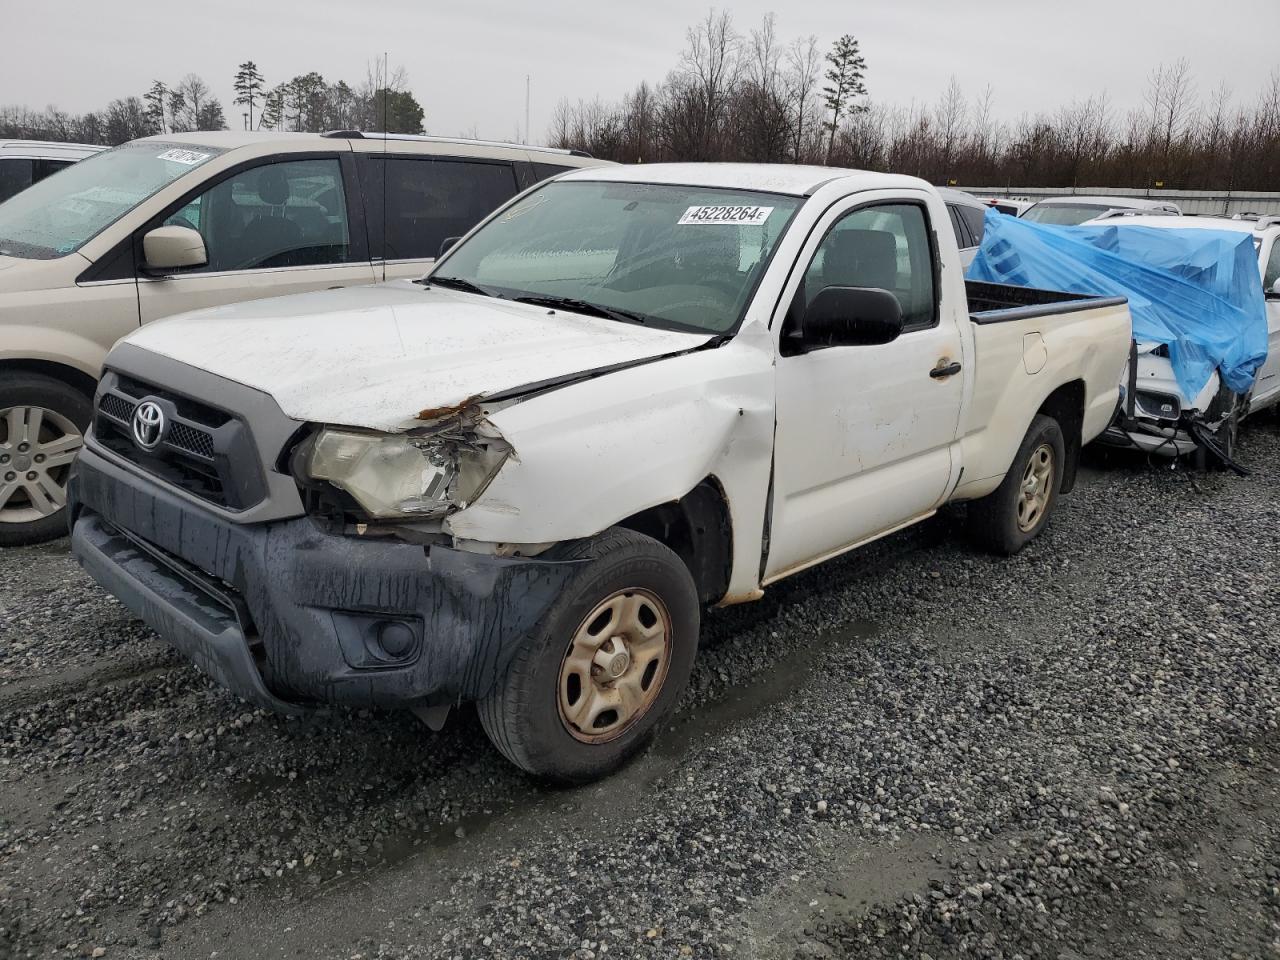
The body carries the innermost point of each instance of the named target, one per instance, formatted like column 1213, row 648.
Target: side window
column 1273, row 266
column 44, row 168
column 961, row 231
column 15, row 176
column 429, row 200
column 287, row 214
column 973, row 220
column 882, row 246
column 543, row 170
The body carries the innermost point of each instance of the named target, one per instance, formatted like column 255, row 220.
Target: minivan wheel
column 42, row 424
column 1014, row 514
column 604, row 667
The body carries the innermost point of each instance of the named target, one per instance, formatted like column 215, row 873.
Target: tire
column 1232, row 408
column 33, row 494
column 528, row 715
column 996, row 521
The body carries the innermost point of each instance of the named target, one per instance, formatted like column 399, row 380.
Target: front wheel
column 42, row 424
column 604, row 667
column 1014, row 514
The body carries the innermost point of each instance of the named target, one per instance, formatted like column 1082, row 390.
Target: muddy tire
column 606, row 665
column 42, row 424
column 1013, row 515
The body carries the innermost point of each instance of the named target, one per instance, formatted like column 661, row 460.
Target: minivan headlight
column 399, row 476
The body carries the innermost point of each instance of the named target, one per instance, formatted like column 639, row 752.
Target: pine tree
column 248, row 87
column 156, row 100
column 845, row 76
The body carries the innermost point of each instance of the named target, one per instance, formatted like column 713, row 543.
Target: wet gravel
column 917, row 750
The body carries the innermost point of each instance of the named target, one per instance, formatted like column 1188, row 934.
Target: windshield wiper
column 582, row 306
column 457, row 283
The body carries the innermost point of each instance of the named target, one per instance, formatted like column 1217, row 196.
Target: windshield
column 1064, row 214
column 683, row 258
column 61, row 213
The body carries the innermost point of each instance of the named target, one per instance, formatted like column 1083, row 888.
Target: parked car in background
column 966, row 212
column 24, row 162
column 1164, row 415
column 1071, row 211
column 173, row 223
column 1008, row 205
column 629, row 393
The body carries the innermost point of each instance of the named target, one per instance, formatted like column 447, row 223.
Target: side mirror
column 446, row 245
column 852, row 317
column 171, row 248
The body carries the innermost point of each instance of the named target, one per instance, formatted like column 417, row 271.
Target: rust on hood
column 450, row 410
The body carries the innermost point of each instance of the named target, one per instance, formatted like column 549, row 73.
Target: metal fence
column 1218, row 202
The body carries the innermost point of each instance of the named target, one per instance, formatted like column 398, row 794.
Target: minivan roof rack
column 424, row 138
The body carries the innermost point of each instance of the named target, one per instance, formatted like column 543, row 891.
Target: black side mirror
column 446, row 245
column 852, row 317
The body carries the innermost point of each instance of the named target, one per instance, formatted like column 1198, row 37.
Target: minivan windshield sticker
column 741, row 216
column 188, row 157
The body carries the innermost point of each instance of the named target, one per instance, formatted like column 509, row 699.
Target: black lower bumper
column 286, row 614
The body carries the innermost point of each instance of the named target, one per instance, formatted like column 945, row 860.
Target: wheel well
column 698, row 528
column 1066, row 405
column 58, row 371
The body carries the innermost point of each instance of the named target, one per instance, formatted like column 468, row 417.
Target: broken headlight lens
column 397, row 476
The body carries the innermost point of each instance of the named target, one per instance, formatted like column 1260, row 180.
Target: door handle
column 944, row 369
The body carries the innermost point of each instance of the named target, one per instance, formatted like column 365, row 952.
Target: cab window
column 1272, row 273
column 884, row 246
column 287, row 214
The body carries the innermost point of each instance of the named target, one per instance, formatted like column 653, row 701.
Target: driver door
column 280, row 227
column 864, row 433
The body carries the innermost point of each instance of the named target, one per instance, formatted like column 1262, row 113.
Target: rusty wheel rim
column 615, row 666
column 1036, row 488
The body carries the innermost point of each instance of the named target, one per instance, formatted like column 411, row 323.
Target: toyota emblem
column 148, row 424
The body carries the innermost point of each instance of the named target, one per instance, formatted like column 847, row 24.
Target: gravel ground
column 918, row 750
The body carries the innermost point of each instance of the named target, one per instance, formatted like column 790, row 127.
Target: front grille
column 203, row 450
column 191, row 440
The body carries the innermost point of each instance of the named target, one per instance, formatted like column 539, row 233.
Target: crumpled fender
column 592, row 453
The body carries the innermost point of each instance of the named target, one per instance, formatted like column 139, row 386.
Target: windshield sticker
column 186, row 157
column 740, row 216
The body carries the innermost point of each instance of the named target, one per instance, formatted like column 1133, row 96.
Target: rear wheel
column 1014, row 514
column 42, row 424
column 604, row 667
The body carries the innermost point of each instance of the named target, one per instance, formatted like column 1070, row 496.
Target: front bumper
column 287, row 615
column 1149, row 438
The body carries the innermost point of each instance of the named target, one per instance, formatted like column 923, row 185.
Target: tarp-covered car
column 1205, row 349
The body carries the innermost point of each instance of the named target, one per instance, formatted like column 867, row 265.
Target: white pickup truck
column 629, row 393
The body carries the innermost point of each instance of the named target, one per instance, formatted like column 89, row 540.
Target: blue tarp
column 1197, row 290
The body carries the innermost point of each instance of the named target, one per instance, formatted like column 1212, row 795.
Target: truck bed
column 1001, row 303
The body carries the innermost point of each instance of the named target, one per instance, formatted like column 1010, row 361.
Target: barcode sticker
column 188, row 157
column 741, row 216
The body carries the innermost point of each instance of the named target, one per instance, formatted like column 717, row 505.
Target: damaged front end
column 1157, row 417
column 421, row 475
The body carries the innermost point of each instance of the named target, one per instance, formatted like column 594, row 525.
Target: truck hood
column 390, row 356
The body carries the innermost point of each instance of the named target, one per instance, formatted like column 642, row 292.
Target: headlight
column 394, row 475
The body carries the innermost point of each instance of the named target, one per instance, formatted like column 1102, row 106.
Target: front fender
column 591, row 454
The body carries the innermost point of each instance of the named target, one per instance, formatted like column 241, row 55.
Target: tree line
column 307, row 102
column 734, row 96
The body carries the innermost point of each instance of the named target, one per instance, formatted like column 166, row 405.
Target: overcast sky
column 467, row 62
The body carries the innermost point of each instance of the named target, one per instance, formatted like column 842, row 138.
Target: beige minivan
column 174, row 223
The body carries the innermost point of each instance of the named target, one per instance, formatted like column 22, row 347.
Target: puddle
column 767, row 688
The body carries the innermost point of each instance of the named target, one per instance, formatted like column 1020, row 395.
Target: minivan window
column 1273, row 267
column 428, row 200
column 60, row 214
column 286, row 214
column 16, row 174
